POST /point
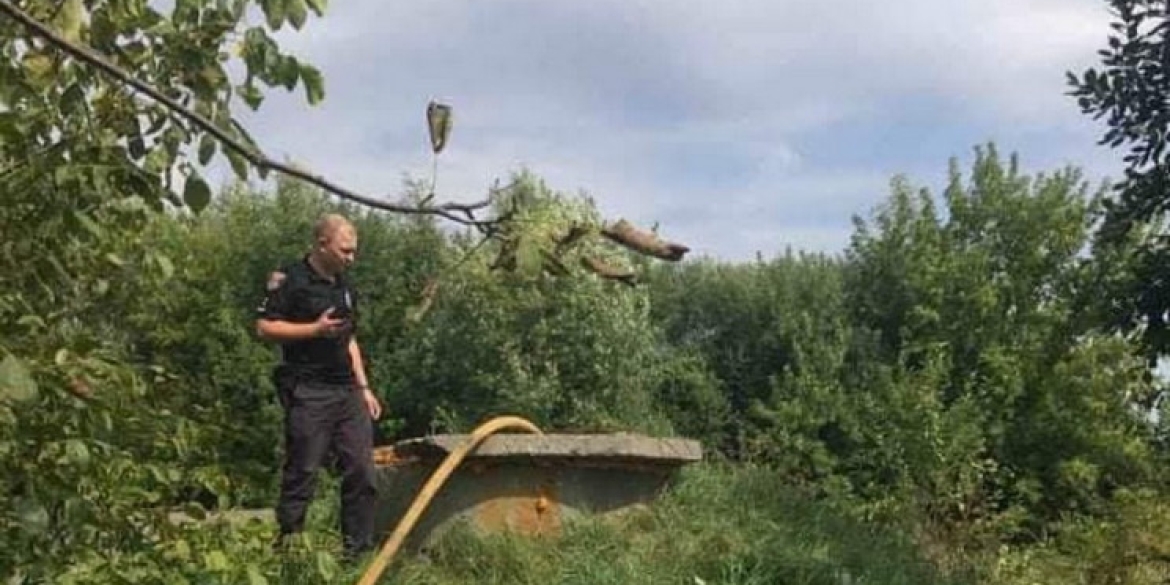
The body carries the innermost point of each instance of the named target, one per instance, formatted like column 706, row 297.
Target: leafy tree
column 989, row 299
column 91, row 455
column 512, row 334
column 65, row 118
column 750, row 324
column 1127, row 91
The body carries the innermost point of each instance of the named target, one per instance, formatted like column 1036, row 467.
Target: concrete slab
column 526, row 484
column 618, row 446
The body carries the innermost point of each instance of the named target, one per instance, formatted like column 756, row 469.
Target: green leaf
column 326, row 565
column 318, row 6
column 215, row 561
column 16, row 383
column 165, row 265
column 39, row 67
column 186, row 10
column 251, row 95
column 195, row 511
column 88, row 224
column 31, row 321
column 158, row 160
column 255, row 577
column 288, row 72
column 143, row 185
column 34, row 519
column 173, row 138
column 64, row 175
column 257, row 51
column 297, row 13
column 274, row 12
column 196, row 193
column 69, row 21
column 182, row 550
column 76, row 452
column 101, row 179
column 206, row 148
column 314, row 84
column 73, row 99
column 136, row 147
column 239, row 164
column 213, row 76
column 528, row 256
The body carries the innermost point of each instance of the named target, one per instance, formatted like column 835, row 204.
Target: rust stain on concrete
column 536, row 513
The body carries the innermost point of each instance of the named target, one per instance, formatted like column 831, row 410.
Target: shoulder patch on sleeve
column 275, row 280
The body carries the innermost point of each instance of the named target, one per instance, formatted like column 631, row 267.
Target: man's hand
column 372, row 404
column 327, row 326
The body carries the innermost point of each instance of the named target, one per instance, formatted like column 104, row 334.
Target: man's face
column 340, row 249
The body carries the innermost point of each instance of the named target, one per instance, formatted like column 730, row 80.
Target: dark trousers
column 317, row 417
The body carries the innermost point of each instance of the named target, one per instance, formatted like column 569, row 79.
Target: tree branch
column 87, row 55
column 644, row 242
column 600, row 268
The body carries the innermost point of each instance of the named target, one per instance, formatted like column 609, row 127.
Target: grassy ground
column 718, row 525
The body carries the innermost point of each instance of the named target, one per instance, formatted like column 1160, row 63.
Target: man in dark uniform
column 310, row 309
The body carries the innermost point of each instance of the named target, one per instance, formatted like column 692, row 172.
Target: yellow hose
column 428, row 491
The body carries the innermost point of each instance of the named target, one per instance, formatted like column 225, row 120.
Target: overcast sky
column 740, row 126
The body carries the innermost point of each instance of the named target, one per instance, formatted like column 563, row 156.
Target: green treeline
column 946, row 395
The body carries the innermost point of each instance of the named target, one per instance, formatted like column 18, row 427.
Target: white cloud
column 777, row 119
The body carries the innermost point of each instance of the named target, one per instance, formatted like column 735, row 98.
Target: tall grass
column 718, row 525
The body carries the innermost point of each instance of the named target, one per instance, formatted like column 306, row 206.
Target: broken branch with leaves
column 450, row 211
column 546, row 256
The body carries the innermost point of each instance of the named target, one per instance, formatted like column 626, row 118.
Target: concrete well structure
column 525, row 483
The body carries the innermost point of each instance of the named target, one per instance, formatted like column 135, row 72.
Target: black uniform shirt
column 297, row 293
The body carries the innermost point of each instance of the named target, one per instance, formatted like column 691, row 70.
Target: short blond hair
column 329, row 224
